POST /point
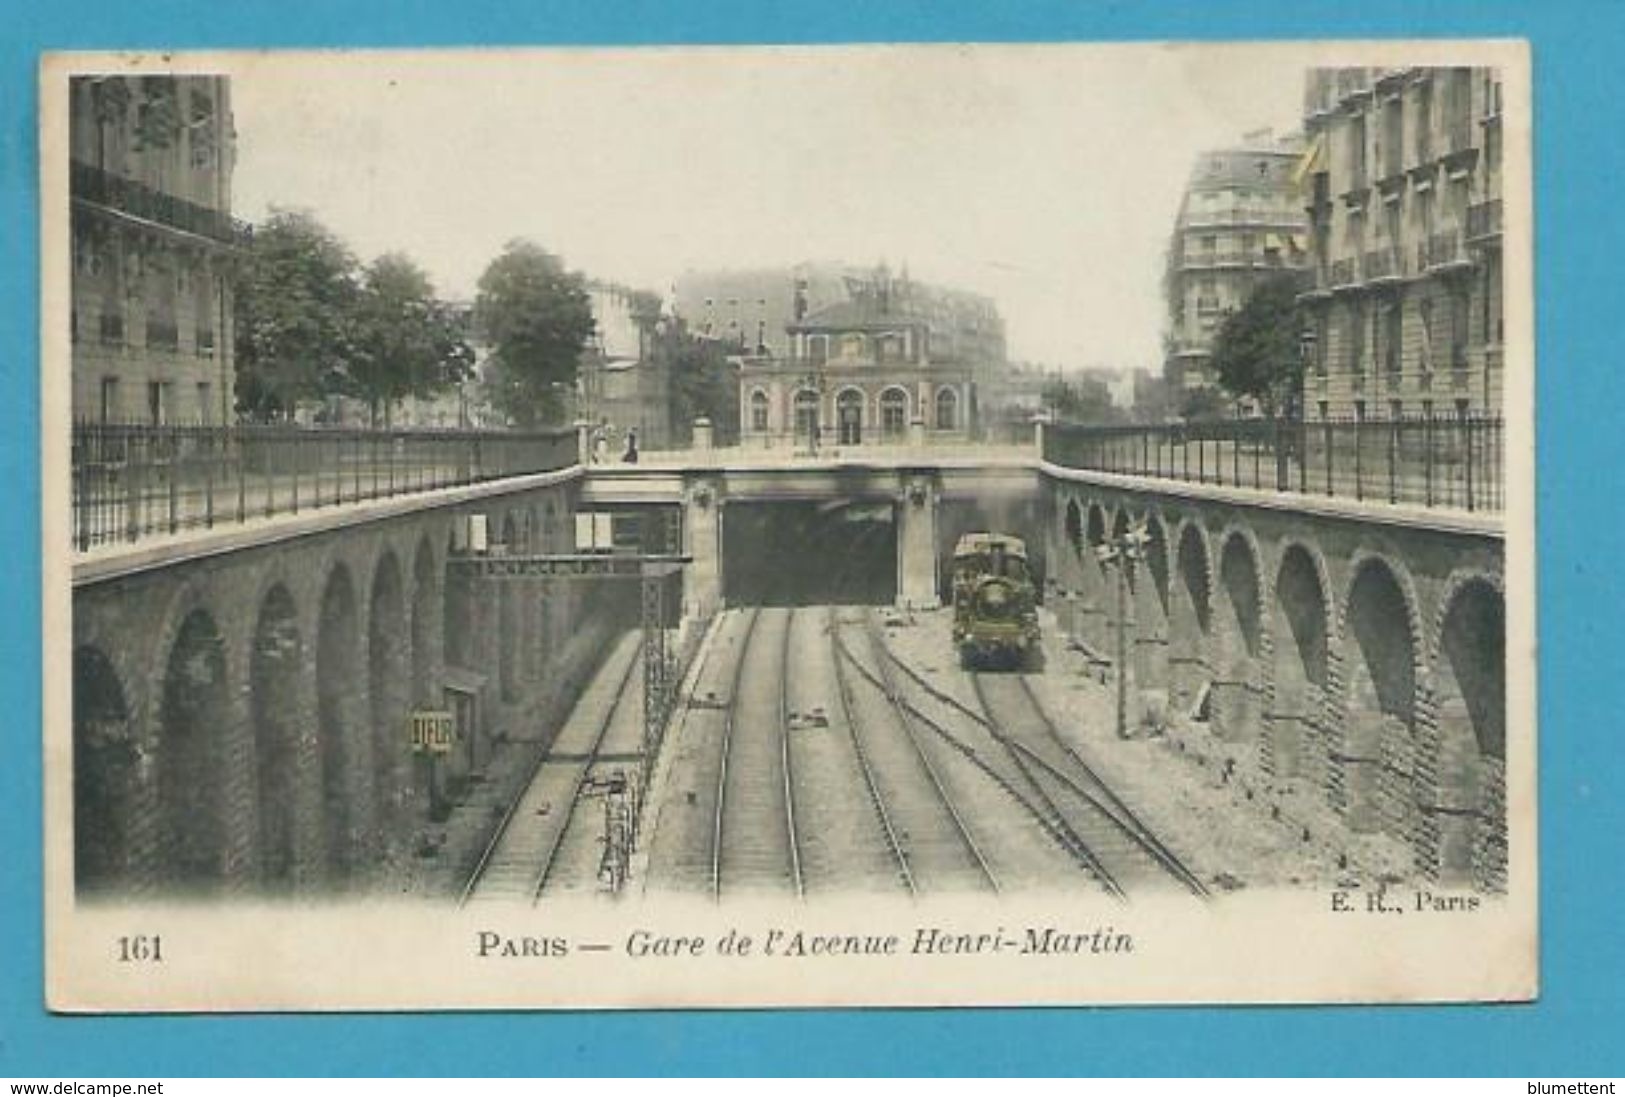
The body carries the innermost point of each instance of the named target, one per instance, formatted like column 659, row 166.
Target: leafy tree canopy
column 537, row 317
column 1258, row 352
column 313, row 323
column 1080, row 401
column 702, row 384
column 295, row 306
column 407, row 342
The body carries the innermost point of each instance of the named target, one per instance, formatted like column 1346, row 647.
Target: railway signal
column 1123, row 551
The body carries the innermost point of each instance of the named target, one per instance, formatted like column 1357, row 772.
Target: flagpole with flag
column 1313, row 160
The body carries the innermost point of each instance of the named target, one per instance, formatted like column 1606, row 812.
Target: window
column 893, row 413
column 1391, row 336
column 1356, row 153
column 947, row 409
column 1393, row 136
column 205, row 403
column 110, row 410
column 758, row 411
column 1459, row 314
column 1356, row 335
column 157, row 402
column 849, row 417
column 806, row 409
column 1425, row 309
column 1424, row 122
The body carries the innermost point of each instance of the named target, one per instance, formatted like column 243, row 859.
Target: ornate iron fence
column 135, row 481
column 1452, row 461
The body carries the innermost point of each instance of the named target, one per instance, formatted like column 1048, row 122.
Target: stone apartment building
column 153, row 241
column 1241, row 220
column 1402, row 180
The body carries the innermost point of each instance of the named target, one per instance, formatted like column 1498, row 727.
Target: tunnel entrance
column 838, row 552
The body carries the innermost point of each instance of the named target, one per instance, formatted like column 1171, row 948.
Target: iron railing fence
column 136, row 481
column 1452, row 461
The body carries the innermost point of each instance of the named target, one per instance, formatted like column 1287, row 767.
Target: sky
column 1047, row 177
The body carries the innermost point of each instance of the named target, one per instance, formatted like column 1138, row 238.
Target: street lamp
column 1123, row 551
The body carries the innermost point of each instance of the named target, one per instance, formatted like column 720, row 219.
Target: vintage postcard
column 860, row 525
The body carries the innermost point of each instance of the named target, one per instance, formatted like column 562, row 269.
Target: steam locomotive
column 995, row 602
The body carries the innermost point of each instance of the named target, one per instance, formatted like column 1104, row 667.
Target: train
column 995, row 601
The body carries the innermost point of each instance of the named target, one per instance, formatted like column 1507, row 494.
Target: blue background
column 1575, row 1029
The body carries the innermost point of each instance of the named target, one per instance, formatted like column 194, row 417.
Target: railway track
column 933, row 842
column 1061, row 790
column 754, row 845
column 1126, row 847
column 518, row 861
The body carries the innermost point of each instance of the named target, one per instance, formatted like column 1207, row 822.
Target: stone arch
column 1092, row 587
column 106, row 764
column 276, row 676
column 342, row 723
column 194, row 713
column 1239, row 637
column 1151, row 610
column 1074, row 525
column 459, row 613
column 389, row 691
column 1190, row 617
column 1303, row 615
column 1469, row 770
column 1382, row 645
column 425, row 593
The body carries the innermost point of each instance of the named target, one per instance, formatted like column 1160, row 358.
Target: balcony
column 1209, row 260
column 1484, row 222
column 114, row 192
column 1384, row 265
column 1259, row 217
column 1461, row 151
column 1441, row 251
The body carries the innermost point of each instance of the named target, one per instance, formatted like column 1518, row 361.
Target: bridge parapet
column 134, row 482
column 1437, row 462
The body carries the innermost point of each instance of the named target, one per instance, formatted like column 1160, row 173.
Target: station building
column 893, row 360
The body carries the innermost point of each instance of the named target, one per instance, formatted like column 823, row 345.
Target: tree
column 407, row 343
column 1257, row 352
column 1204, row 404
column 537, row 317
column 295, row 312
column 702, row 383
column 1081, row 401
